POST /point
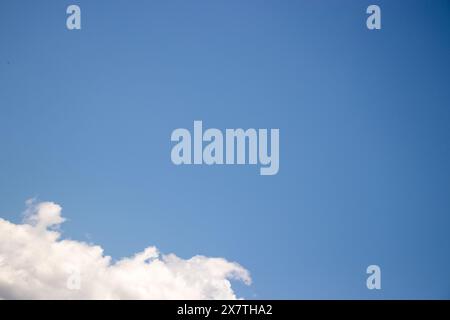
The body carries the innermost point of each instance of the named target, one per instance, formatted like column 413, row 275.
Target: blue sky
column 86, row 118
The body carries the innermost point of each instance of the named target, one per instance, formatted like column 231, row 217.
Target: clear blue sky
column 364, row 119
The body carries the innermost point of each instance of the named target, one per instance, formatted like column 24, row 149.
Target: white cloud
column 35, row 263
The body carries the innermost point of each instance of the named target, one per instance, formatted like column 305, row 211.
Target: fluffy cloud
column 35, row 263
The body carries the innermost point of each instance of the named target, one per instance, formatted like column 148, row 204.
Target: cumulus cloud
column 35, row 263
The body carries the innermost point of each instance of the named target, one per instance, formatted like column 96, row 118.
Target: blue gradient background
column 364, row 118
